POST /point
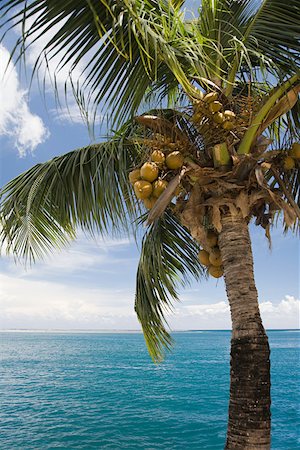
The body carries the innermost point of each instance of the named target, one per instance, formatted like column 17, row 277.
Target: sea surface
column 101, row 391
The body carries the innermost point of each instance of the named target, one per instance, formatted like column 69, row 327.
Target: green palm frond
column 274, row 31
column 125, row 46
column 250, row 35
column 168, row 258
column 86, row 188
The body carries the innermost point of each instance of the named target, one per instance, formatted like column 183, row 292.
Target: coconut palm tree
column 207, row 117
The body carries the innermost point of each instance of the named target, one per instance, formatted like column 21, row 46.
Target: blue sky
column 91, row 284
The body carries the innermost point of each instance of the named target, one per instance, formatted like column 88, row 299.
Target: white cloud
column 208, row 316
column 83, row 255
column 37, row 298
column 25, row 129
column 285, row 314
column 34, row 303
column 41, row 304
column 70, row 114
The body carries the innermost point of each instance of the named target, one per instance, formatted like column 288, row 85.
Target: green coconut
column 215, row 107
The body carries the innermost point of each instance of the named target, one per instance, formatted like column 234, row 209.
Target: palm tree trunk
column 249, row 406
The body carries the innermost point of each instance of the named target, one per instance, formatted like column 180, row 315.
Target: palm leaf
column 168, row 258
column 86, row 188
column 124, row 46
column 250, row 35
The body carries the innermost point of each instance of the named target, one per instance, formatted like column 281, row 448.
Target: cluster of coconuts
column 212, row 258
column 292, row 157
column 210, row 106
column 148, row 181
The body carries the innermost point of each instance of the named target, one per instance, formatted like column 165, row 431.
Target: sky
column 91, row 284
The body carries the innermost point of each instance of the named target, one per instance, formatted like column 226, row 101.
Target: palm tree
column 207, row 113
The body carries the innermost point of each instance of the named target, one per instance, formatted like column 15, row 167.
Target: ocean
column 101, row 391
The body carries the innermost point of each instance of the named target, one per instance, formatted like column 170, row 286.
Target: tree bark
column 249, row 405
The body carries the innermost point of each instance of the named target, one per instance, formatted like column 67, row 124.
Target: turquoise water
column 101, row 391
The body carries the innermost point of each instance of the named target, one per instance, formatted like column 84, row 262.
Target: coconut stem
column 249, row 136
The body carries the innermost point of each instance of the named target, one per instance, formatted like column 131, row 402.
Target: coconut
column 149, row 171
column 211, row 97
column 203, row 257
column 295, row 150
column 218, row 118
column 142, row 189
column 288, row 163
column 134, row 175
column 149, row 202
column 212, row 238
column 215, row 257
column 228, row 125
column 229, row 115
column 158, row 187
column 216, row 272
column 174, row 160
column 158, row 157
column 214, row 107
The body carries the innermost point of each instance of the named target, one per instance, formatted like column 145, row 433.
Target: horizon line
column 118, row 330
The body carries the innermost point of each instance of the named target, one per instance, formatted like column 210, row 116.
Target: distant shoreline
column 116, row 331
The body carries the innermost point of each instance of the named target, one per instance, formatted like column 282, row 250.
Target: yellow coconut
column 134, row 175
column 174, row 160
column 158, row 187
column 203, row 257
column 295, row 150
column 212, row 238
column 158, row 157
column 215, row 257
column 211, row 97
column 228, row 125
column 214, row 107
column 216, row 272
column 288, row 163
column 229, row 115
column 149, row 202
column 218, row 118
column 142, row 189
column 149, row 171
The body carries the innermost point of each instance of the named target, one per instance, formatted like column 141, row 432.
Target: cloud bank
column 91, row 285
column 25, row 129
column 36, row 304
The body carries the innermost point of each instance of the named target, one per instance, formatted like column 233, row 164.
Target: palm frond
column 168, row 259
column 86, row 188
column 250, row 37
column 124, row 46
column 274, row 31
